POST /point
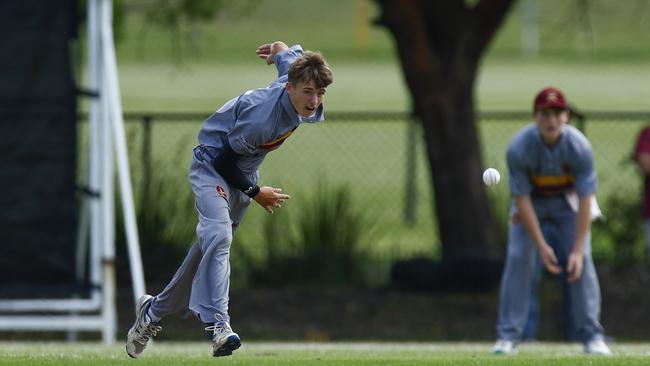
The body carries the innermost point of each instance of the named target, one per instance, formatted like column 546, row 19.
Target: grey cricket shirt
column 258, row 121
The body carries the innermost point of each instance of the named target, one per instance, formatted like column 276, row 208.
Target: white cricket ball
column 491, row 176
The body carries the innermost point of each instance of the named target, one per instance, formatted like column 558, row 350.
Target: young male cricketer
column 224, row 172
column 548, row 161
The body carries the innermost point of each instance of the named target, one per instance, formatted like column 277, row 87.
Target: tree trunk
column 467, row 227
column 439, row 45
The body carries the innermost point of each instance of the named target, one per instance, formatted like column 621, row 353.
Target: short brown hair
column 311, row 66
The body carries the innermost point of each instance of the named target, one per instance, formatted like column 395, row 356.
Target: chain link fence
column 378, row 157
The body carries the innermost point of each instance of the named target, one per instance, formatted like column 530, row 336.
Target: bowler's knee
column 216, row 236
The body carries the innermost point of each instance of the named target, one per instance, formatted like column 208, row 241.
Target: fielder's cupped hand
column 549, row 259
column 574, row 266
column 268, row 50
column 271, row 198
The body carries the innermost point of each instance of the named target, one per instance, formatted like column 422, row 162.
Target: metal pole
column 108, row 210
column 95, row 150
column 108, row 219
column 124, row 174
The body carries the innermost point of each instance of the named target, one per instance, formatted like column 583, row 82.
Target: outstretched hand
column 268, row 50
column 271, row 198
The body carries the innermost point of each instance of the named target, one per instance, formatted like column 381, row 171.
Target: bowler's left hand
column 268, row 50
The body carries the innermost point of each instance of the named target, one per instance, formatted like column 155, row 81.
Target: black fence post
column 411, row 172
column 146, row 161
column 581, row 119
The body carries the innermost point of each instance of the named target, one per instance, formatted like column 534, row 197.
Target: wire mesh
column 378, row 157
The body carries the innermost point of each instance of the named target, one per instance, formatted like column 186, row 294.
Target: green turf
column 503, row 85
column 302, row 354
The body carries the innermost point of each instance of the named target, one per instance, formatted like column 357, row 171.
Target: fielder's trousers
column 558, row 224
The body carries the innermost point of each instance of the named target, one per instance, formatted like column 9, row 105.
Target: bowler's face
column 305, row 97
column 549, row 122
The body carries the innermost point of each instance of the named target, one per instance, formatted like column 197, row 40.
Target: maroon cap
column 550, row 98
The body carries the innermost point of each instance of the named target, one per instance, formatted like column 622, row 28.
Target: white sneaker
column 143, row 328
column 224, row 340
column 597, row 347
column 503, row 347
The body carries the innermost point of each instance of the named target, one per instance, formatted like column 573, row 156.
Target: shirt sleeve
column 517, row 173
column 584, row 172
column 284, row 59
column 226, row 165
column 245, row 136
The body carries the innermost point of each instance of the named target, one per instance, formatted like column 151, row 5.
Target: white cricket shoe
column 143, row 328
column 597, row 347
column 224, row 340
column 503, row 347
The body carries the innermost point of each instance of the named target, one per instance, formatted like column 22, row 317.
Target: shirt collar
column 540, row 140
column 317, row 116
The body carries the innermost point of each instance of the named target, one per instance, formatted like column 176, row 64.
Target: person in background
column 642, row 157
column 532, row 324
column 552, row 182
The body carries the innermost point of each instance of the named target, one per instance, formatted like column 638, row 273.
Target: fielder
column 551, row 166
column 224, row 172
column 641, row 156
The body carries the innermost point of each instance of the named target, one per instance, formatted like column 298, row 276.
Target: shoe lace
column 220, row 326
column 146, row 331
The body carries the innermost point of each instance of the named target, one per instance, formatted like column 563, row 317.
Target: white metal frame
column 106, row 132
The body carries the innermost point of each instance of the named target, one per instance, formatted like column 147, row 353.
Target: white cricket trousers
column 202, row 282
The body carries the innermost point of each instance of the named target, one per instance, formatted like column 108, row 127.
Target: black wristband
column 252, row 191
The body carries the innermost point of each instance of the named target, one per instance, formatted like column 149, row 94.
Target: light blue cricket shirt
column 540, row 171
column 259, row 120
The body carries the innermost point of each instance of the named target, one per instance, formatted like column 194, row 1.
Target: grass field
column 322, row 354
column 502, row 85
